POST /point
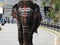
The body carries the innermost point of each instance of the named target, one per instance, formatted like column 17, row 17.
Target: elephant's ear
column 37, row 17
column 14, row 11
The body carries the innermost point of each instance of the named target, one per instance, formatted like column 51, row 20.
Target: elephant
column 28, row 18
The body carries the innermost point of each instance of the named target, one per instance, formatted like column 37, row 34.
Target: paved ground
column 8, row 36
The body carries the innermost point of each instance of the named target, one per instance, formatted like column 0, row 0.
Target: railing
column 54, row 26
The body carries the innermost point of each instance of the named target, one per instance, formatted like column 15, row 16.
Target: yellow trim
column 50, row 30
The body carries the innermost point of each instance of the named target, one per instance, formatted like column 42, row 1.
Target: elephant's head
column 25, row 14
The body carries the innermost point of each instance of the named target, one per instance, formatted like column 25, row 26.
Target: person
column 28, row 18
column 47, row 9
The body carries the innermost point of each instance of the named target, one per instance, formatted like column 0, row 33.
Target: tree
column 54, row 11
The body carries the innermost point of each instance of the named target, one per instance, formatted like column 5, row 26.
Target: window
column 1, row 10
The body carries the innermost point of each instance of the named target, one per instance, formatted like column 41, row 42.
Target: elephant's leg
column 30, row 37
column 20, row 37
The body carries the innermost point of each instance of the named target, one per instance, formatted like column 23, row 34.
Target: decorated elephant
column 28, row 18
